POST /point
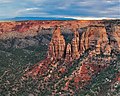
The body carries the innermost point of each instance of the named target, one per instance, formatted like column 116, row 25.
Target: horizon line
column 58, row 17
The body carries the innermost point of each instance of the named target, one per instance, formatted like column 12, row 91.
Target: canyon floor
column 60, row 58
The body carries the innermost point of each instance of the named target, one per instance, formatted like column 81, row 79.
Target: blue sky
column 60, row 8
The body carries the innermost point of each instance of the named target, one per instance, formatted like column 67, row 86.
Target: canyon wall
column 21, row 29
column 97, row 37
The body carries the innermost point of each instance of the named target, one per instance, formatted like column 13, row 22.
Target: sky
column 60, row 8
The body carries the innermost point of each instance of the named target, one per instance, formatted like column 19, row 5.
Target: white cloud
column 30, row 12
column 26, row 9
column 30, row 9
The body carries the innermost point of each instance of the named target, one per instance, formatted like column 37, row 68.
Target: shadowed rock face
column 115, row 37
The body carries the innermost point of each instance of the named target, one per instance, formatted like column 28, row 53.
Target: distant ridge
column 35, row 18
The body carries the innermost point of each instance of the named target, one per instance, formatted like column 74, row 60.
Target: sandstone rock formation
column 75, row 52
column 68, row 56
column 57, row 45
column 95, row 38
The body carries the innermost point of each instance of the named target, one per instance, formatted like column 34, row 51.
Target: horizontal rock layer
column 22, row 29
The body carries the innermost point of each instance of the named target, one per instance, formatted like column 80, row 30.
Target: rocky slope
column 73, row 63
